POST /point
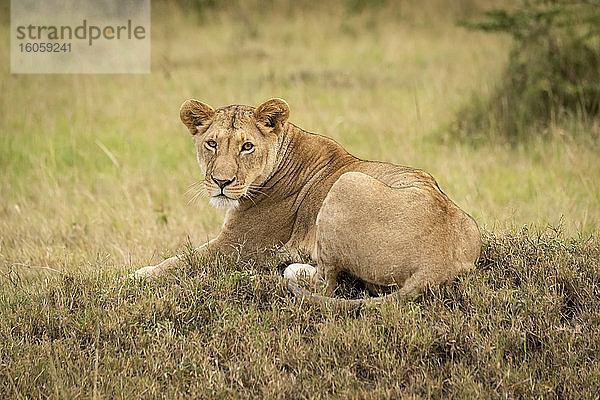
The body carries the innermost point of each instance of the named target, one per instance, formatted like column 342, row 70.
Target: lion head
column 236, row 146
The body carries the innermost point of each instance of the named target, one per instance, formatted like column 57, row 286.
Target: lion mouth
column 223, row 201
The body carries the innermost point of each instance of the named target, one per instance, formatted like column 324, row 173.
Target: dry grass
column 524, row 324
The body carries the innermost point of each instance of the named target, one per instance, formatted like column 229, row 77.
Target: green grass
column 93, row 170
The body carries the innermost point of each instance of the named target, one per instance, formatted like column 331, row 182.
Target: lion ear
column 195, row 115
column 272, row 114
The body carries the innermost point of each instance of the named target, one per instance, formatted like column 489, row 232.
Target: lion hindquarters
column 386, row 235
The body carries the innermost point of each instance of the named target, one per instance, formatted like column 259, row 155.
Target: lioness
column 383, row 223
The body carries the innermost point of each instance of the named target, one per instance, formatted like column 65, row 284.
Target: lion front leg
column 156, row 270
column 167, row 265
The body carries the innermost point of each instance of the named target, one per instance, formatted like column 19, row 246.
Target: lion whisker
column 255, row 191
column 193, row 187
column 200, row 192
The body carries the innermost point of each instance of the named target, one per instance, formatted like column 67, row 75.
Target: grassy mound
column 525, row 323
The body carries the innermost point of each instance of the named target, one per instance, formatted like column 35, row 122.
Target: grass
column 93, row 169
column 524, row 324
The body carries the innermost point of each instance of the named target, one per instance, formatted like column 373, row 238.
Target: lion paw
column 295, row 272
column 144, row 272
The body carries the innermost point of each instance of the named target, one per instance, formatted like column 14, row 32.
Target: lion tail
column 335, row 303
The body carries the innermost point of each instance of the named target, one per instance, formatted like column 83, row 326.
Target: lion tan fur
column 287, row 188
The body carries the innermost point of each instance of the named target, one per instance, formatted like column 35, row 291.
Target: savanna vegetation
column 94, row 171
column 551, row 76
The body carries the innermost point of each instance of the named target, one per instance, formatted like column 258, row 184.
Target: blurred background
column 501, row 107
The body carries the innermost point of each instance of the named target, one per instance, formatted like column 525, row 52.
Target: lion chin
column 222, row 201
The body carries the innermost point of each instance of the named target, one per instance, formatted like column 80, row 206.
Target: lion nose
column 222, row 182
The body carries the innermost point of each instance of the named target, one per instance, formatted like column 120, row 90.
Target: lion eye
column 247, row 146
column 211, row 144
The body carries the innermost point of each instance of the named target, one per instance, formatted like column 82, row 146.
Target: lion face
column 236, row 146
